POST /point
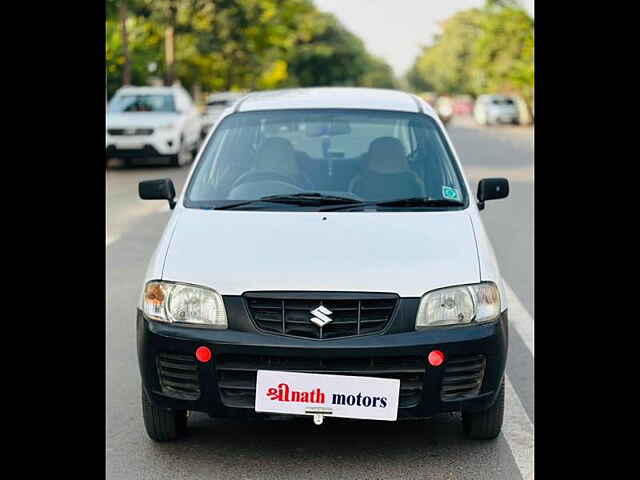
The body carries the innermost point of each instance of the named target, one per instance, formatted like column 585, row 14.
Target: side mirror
column 491, row 189
column 158, row 190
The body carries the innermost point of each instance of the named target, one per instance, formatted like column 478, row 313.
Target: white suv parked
column 144, row 122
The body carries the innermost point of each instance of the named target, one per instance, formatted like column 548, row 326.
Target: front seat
column 276, row 154
column 386, row 175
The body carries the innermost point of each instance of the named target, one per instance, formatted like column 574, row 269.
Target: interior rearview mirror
column 162, row 189
column 331, row 128
column 491, row 189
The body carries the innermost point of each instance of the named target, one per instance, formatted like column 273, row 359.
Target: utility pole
column 169, row 45
column 126, row 74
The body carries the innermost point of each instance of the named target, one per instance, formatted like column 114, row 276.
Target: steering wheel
column 262, row 175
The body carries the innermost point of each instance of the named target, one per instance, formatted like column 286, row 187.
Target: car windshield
column 142, row 103
column 365, row 155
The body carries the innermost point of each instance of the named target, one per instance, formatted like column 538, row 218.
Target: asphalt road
column 296, row 449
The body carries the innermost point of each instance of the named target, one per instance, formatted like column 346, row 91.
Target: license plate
column 342, row 396
column 131, row 145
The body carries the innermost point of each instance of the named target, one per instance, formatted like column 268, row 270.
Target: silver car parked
column 494, row 109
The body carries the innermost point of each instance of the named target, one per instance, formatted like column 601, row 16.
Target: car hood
column 408, row 253
column 140, row 119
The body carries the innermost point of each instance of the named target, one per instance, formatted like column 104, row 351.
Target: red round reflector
column 203, row 354
column 436, row 358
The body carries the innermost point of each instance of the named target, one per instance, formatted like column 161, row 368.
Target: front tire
column 485, row 425
column 162, row 425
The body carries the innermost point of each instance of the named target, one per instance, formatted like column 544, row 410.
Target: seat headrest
column 277, row 154
column 387, row 155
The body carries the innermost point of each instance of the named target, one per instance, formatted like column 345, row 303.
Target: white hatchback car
column 326, row 258
column 151, row 122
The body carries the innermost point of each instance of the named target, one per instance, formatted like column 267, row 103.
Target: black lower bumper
column 147, row 151
column 468, row 379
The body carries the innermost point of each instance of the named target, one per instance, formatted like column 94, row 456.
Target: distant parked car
column 494, row 109
column 216, row 104
column 151, row 122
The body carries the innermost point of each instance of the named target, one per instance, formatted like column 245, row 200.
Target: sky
column 395, row 29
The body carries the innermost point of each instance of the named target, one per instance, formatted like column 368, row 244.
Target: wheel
column 485, row 425
column 162, row 425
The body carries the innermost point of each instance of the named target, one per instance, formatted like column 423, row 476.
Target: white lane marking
column 519, row 318
column 518, row 431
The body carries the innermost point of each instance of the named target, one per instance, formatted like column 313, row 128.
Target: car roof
column 333, row 97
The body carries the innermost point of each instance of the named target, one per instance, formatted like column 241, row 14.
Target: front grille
column 178, row 375
column 462, row 377
column 350, row 316
column 130, row 131
column 237, row 374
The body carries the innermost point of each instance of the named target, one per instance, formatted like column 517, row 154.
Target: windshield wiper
column 313, row 197
column 404, row 202
column 305, row 198
column 421, row 202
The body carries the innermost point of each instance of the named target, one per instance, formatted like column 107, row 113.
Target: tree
column 487, row 50
column 237, row 44
column 503, row 54
column 446, row 65
column 334, row 56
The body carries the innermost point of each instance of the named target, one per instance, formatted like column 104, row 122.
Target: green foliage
column 445, row 66
column 240, row 44
column 378, row 74
column 503, row 54
column 480, row 51
column 334, row 56
column 145, row 47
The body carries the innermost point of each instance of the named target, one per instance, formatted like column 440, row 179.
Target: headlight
column 459, row 305
column 180, row 303
column 168, row 126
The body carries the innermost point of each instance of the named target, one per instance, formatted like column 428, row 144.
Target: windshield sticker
column 450, row 193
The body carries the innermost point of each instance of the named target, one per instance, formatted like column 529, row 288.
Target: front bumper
column 503, row 117
column 159, row 343
column 159, row 143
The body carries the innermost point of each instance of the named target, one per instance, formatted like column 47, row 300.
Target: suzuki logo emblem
column 320, row 317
